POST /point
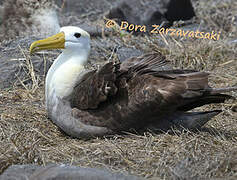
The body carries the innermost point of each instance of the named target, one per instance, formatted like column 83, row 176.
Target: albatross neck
column 75, row 56
column 65, row 71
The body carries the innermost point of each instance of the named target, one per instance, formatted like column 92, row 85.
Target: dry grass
column 28, row 136
column 218, row 16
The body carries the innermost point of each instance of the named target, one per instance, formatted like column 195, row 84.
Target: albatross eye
column 77, row 35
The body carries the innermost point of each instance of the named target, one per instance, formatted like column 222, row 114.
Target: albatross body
column 136, row 94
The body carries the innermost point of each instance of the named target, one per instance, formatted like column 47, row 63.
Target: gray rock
column 61, row 172
column 234, row 41
column 27, row 17
column 125, row 53
column 152, row 12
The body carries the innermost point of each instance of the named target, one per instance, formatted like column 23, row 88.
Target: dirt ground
column 27, row 136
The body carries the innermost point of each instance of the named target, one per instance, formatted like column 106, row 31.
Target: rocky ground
column 27, row 136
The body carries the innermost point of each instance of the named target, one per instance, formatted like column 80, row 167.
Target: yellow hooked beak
column 56, row 41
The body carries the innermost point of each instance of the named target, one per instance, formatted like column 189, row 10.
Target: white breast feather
column 65, row 78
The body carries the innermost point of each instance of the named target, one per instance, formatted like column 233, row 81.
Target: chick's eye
column 77, row 35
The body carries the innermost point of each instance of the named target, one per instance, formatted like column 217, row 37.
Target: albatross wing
column 140, row 93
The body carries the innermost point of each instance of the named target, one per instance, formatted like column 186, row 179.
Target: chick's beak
column 56, row 41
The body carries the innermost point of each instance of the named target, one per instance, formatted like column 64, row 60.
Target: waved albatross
column 135, row 94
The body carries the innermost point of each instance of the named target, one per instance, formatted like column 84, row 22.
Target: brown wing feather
column 138, row 93
column 146, row 63
column 95, row 87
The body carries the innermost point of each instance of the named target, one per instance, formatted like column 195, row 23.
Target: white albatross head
column 76, row 39
column 73, row 41
column 69, row 65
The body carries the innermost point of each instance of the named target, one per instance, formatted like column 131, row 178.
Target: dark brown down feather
column 140, row 92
